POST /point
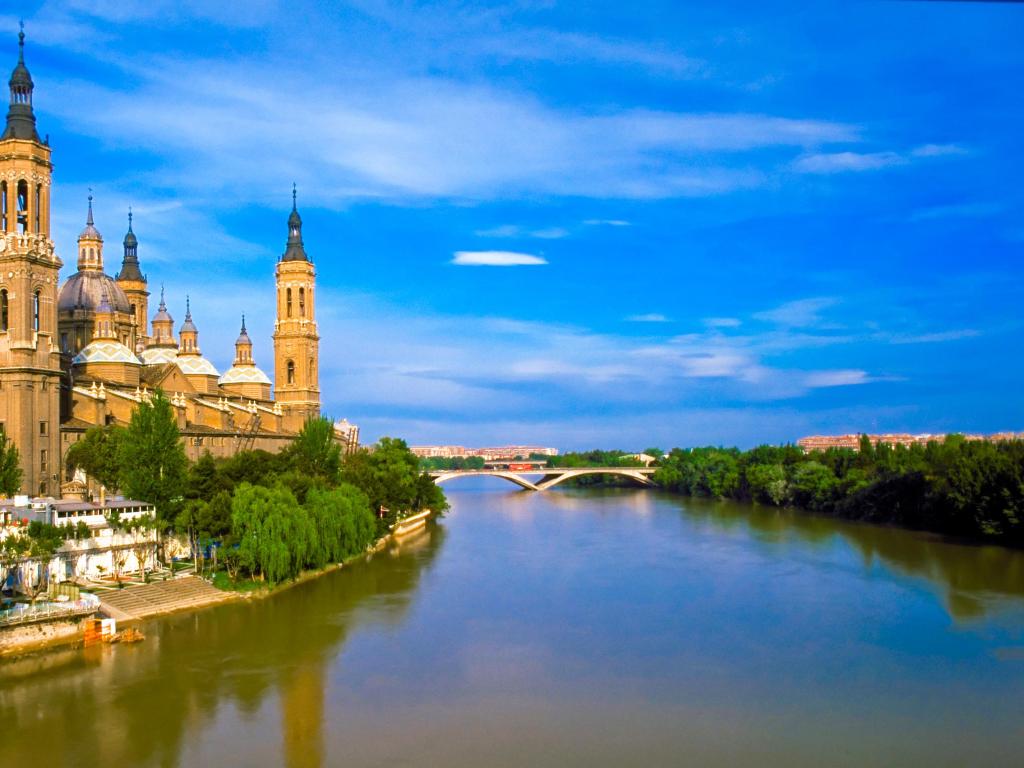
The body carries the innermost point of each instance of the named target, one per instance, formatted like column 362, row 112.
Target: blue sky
column 580, row 225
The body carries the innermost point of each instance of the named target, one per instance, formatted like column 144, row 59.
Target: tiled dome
column 159, row 355
column 244, row 374
column 196, row 365
column 106, row 351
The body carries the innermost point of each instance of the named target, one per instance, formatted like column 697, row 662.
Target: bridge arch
column 551, row 477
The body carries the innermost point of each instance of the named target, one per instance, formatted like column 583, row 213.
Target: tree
column 343, row 524
column 390, row 476
column 315, row 452
column 10, row 467
column 767, row 483
column 142, row 530
column 152, row 459
column 273, row 531
column 96, row 454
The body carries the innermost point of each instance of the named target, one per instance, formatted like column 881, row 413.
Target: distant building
column 347, row 434
column 824, row 442
column 488, row 454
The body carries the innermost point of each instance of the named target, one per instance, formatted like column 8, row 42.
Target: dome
column 196, row 365
column 105, row 351
column 159, row 355
column 244, row 374
column 84, row 290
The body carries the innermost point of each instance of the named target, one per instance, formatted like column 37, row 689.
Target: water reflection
column 973, row 579
column 136, row 705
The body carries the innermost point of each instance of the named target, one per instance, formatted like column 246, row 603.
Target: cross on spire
column 294, row 197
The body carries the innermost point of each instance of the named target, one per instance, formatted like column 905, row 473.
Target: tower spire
column 21, row 121
column 294, row 250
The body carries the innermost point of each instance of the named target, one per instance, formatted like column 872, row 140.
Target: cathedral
column 85, row 353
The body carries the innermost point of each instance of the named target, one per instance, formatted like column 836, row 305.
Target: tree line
column 954, row 486
column 269, row 516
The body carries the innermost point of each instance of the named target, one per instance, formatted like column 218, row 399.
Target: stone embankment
column 145, row 600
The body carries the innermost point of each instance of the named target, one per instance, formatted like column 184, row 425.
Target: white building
column 106, row 539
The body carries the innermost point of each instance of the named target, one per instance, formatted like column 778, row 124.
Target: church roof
column 159, row 355
column 85, row 290
column 105, row 351
column 196, row 365
column 244, row 374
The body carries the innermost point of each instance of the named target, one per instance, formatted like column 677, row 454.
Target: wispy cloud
column 935, row 337
column 844, row 378
column 958, row 211
column 651, row 317
column 496, row 259
column 846, row 162
column 722, row 322
column 842, row 162
column 516, row 231
column 607, row 223
column 802, row 313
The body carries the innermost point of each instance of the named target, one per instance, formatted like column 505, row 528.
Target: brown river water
column 568, row 628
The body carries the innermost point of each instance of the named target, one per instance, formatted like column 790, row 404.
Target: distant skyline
column 662, row 224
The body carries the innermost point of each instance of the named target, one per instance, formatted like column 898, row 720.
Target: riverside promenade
column 145, row 600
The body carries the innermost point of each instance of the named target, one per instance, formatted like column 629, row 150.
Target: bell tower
column 30, row 372
column 134, row 285
column 296, row 342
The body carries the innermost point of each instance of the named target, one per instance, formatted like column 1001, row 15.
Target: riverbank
column 183, row 595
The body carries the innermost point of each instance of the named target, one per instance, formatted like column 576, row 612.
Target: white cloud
column 938, row 150
column 496, row 259
column 516, row 231
column 935, row 337
column 650, row 317
column 797, row 314
column 841, row 162
column 843, row 378
column 722, row 322
column 607, row 223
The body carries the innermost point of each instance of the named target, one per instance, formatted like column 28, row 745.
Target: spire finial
column 162, row 304
column 88, row 219
column 294, row 197
column 243, row 323
column 188, row 307
column 129, row 218
column 21, row 42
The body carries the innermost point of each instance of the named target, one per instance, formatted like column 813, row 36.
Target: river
column 568, row 628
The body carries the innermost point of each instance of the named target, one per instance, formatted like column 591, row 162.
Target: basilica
column 86, row 353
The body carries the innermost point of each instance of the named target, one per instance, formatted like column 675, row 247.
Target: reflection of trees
column 137, row 705
column 967, row 574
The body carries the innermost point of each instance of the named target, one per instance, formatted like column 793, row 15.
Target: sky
column 608, row 224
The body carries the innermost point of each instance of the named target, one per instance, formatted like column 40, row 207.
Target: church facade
column 85, row 353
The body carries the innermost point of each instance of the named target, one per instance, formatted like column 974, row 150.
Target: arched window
column 291, row 372
column 302, row 302
column 38, row 206
column 36, row 298
column 135, row 318
column 312, row 374
column 3, row 205
column 23, row 206
column 289, row 302
column 4, row 310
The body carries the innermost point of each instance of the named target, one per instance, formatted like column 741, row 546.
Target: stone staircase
column 160, row 597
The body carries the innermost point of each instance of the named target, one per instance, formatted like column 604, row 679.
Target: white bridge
column 549, row 477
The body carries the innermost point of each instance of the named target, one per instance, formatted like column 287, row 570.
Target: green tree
column 343, row 523
column 315, row 452
column 152, row 459
column 767, row 483
column 96, row 454
column 274, row 532
column 10, row 467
